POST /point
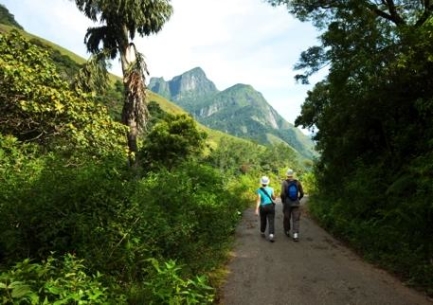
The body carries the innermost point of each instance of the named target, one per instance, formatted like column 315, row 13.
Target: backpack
column 292, row 190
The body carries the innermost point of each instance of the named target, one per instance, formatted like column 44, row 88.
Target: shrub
column 55, row 281
column 166, row 286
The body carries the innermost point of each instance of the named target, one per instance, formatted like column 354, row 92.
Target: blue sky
column 233, row 41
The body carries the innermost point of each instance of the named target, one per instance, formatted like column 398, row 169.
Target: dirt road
column 317, row 270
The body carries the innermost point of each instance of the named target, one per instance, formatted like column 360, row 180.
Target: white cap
column 289, row 172
column 265, row 180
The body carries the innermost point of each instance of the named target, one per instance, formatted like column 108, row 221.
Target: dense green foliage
column 114, row 223
column 171, row 141
column 79, row 226
column 240, row 158
column 374, row 129
column 66, row 67
column 54, row 282
column 38, row 106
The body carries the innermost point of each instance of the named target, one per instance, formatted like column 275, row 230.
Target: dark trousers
column 267, row 216
column 291, row 213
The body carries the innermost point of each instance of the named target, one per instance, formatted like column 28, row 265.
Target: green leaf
column 21, row 291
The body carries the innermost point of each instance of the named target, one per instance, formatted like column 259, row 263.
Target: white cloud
column 233, row 41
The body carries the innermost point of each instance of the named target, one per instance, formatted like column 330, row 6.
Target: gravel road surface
column 317, row 270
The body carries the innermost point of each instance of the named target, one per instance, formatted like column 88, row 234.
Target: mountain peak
column 192, row 83
column 240, row 86
column 196, row 70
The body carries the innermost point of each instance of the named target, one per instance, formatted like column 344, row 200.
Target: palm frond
column 93, row 75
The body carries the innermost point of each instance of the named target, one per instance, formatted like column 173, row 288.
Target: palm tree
column 120, row 21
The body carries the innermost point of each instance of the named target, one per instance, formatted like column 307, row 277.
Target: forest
column 108, row 199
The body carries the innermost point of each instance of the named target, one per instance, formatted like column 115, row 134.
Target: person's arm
column 301, row 191
column 282, row 194
column 258, row 200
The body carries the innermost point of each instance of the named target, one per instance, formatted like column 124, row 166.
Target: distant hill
column 7, row 18
column 239, row 110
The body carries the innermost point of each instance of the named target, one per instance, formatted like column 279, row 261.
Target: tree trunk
column 134, row 112
column 130, row 120
column 134, row 106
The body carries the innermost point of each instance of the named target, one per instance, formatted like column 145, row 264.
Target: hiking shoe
column 271, row 238
column 262, row 234
column 287, row 233
column 295, row 237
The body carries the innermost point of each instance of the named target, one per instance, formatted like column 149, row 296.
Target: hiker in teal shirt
column 265, row 207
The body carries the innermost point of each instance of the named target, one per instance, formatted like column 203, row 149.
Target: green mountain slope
column 239, row 110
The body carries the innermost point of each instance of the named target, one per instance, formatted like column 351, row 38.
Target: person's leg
column 271, row 219
column 286, row 221
column 262, row 214
column 296, row 216
column 270, row 216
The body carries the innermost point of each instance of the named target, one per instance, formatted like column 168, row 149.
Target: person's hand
column 257, row 211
